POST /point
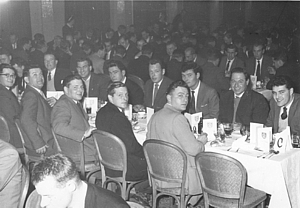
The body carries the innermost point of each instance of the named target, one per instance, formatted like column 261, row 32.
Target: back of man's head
column 147, row 50
column 120, row 50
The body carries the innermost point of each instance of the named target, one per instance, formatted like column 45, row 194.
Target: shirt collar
column 159, row 83
column 124, row 80
column 239, row 96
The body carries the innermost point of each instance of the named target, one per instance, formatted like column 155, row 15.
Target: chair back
column 21, row 133
column 222, row 178
column 4, row 130
column 34, row 200
column 111, row 151
column 166, row 162
column 25, row 186
column 137, row 80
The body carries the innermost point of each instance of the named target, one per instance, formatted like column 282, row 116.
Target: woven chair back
column 137, row 80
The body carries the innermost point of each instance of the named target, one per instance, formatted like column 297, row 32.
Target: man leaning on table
column 170, row 125
column 285, row 107
column 241, row 104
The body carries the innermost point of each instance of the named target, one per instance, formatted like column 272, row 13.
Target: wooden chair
column 25, row 186
column 113, row 155
column 137, row 80
column 167, row 163
column 223, row 180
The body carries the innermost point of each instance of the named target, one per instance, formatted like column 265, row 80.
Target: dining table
column 276, row 174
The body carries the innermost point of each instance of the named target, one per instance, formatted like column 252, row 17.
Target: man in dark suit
column 117, row 72
column 53, row 75
column 202, row 97
column 111, row 119
column 140, row 67
column 173, row 69
column 259, row 63
column 37, row 56
column 9, row 105
column 131, row 49
column 68, row 28
column 35, row 115
column 285, row 107
column 241, row 104
column 70, row 122
column 95, row 84
column 12, row 44
column 156, row 86
column 230, row 61
column 23, row 49
column 117, row 34
column 190, row 55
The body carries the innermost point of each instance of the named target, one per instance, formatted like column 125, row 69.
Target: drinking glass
column 228, row 128
column 295, row 141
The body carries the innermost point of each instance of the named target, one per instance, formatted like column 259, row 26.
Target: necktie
column 258, row 75
column 192, row 104
column 80, row 108
column 227, row 66
column 235, row 106
column 49, row 76
column 284, row 113
column 155, row 93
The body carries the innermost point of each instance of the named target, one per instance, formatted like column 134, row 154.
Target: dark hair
column 82, row 59
column 191, row 66
column 212, row 54
column 39, row 36
column 259, row 42
column 27, row 69
column 40, row 44
column 6, row 66
column 50, row 53
column 125, row 37
column 178, row 53
column 240, row 70
column 230, row 46
column 18, row 61
column 176, row 84
column 118, row 64
column 281, row 80
column 114, row 85
column 59, row 166
column 70, row 78
column 156, row 61
column 99, row 46
column 24, row 41
column 120, row 50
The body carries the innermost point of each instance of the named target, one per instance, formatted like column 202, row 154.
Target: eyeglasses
column 13, row 76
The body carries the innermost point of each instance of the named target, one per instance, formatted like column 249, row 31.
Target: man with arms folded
column 285, row 107
column 202, row 97
column 241, row 104
column 170, row 125
column 70, row 122
column 58, row 186
column 35, row 115
column 156, row 86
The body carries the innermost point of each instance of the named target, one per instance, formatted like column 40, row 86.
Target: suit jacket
column 171, row 126
column 112, row 120
column 173, row 69
column 207, row 102
column 253, row 107
column 37, row 57
column 19, row 52
column 98, row 86
column 236, row 63
column 160, row 99
column 200, row 61
column 59, row 76
column 266, row 62
column 135, row 93
column 10, row 176
column 10, row 109
column 214, row 77
column 35, row 120
column 293, row 117
column 69, row 123
column 140, row 67
column 131, row 52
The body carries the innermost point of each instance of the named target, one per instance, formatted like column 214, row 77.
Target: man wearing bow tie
column 285, row 107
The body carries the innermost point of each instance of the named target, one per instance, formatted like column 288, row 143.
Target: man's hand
column 271, row 70
column 51, row 101
column 42, row 150
column 88, row 132
column 202, row 138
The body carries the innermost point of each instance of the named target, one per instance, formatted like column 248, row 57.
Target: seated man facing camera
column 58, row 184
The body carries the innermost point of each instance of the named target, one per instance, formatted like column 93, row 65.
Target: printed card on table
column 90, row 104
column 253, row 81
column 253, row 132
column 55, row 94
column 194, row 119
column 128, row 112
column 282, row 141
column 210, row 127
column 264, row 137
column 150, row 112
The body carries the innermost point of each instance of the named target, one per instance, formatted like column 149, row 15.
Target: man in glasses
column 9, row 105
column 241, row 104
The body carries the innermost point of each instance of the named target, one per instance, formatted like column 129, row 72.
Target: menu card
column 194, row 119
column 253, row 81
column 128, row 112
column 282, row 141
column 253, row 132
column 90, row 105
column 210, row 127
column 55, row 94
column 264, row 137
column 150, row 112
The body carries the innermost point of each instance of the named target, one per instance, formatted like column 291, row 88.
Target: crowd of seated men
column 211, row 71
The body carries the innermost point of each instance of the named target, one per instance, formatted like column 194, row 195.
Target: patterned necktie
column 155, row 93
column 49, row 76
column 258, row 75
column 284, row 113
column 192, row 104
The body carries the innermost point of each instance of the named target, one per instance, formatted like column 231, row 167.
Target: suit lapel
column 200, row 96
